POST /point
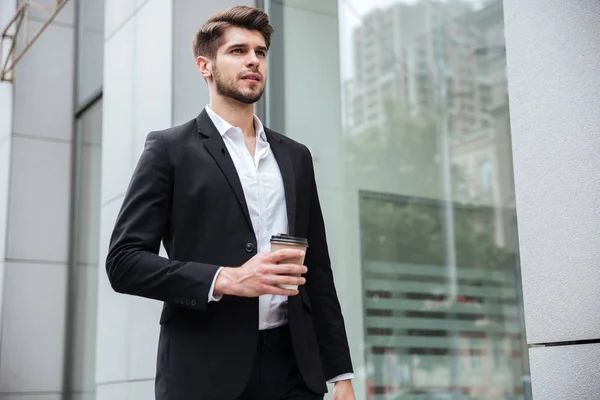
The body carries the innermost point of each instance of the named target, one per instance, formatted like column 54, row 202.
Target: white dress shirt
column 265, row 196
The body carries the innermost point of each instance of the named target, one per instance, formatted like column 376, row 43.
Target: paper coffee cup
column 283, row 241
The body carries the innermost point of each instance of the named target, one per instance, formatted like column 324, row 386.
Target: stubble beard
column 228, row 89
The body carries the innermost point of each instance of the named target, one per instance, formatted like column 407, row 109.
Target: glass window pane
column 404, row 106
column 90, row 48
column 88, row 144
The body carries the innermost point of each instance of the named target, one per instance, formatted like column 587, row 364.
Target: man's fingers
column 283, row 254
column 287, row 269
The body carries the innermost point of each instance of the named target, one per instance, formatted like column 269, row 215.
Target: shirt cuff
column 343, row 377
column 212, row 288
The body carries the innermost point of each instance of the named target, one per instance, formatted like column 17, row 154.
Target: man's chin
column 248, row 98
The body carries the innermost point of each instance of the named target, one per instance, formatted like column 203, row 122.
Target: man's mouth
column 251, row 77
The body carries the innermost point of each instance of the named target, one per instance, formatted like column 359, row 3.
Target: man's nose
column 252, row 59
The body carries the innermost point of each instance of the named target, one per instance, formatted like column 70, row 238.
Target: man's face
column 240, row 66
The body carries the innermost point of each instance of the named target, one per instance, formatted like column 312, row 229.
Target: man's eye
column 261, row 53
column 237, row 51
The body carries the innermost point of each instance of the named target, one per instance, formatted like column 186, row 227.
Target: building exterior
column 456, row 228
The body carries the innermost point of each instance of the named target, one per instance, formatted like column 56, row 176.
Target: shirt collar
column 223, row 126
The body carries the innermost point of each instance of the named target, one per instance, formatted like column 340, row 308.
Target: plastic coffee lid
column 287, row 239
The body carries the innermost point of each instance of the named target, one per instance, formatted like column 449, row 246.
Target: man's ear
column 204, row 65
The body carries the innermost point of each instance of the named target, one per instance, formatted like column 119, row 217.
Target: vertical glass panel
column 88, row 144
column 404, row 106
column 90, row 48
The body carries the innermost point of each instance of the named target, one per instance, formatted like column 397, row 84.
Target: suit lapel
column 216, row 147
column 284, row 160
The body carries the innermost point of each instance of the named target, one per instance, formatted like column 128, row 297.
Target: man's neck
column 236, row 113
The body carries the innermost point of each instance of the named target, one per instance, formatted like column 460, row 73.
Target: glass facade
column 85, row 219
column 85, row 257
column 404, row 106
column 90, row 48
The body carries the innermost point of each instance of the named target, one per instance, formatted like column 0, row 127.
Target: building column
column 36, row 132
column 137, row 98
column 553, row 57
column 150, row 83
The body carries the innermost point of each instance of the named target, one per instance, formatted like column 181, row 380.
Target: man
column 214, row 190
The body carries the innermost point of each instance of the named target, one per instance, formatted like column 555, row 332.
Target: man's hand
column 343, row 390
column 261, row 275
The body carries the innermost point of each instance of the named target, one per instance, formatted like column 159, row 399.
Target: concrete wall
column 150, row 83
column 36, row 133
column 137, row 99
column 553, row 50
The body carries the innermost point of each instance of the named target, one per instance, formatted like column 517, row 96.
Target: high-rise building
column 406, row 53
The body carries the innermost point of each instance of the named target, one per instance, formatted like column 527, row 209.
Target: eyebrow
column 243, row 46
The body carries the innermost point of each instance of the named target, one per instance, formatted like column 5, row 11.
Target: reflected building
column 428, row 330
column 402, row 53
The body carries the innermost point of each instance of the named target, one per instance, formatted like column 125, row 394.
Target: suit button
column 176, row 300
column 194, row 302
column 249, row 247
column 187, row 302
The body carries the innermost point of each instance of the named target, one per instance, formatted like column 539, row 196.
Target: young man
column 215, row 190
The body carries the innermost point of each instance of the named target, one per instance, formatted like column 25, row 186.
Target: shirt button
column 249, row 247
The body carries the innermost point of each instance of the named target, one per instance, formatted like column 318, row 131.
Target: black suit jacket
column 186, row 192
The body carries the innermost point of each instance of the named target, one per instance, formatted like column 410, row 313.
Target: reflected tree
column 401, row 156
column 401, row 153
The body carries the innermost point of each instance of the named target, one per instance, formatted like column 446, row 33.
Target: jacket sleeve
column 133, row 264
column 327, row 316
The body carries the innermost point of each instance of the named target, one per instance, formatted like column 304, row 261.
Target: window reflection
column 438, row 322
column 425, row 188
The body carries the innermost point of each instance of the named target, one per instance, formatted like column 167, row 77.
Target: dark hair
column 210, row 36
